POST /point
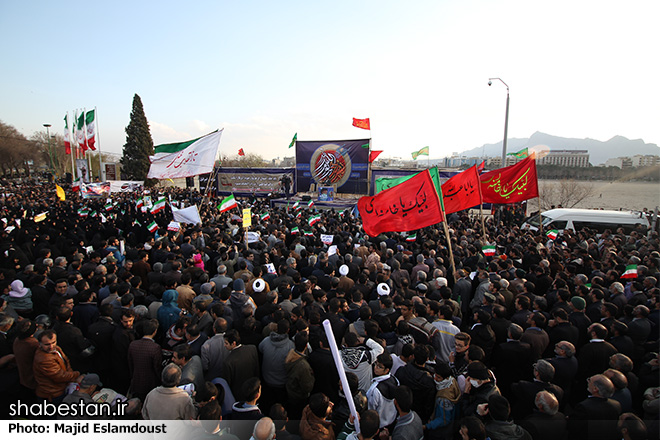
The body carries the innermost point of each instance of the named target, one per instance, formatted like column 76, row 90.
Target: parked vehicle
column 577, row 219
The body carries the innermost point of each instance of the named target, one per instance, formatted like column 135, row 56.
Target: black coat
column 524, row 393
column 563, row 331
column 512, row 362
column 421, row 383
column 594, row 418
column 542, row 426
column 565, row 371
column 594, row 358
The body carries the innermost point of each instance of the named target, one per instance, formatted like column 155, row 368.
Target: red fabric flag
column 511, row 184
column 241, row 152
column 411, row 205
column 362, row 123
column 67, row 147
column 481, row 166
column 462, row 191
column 373, row 154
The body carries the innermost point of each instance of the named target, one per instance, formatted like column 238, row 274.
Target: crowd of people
column 544, row 339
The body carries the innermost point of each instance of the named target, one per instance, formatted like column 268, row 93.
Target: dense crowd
column 542, row 340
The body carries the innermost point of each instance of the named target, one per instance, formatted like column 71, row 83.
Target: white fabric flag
column 186, row 215
column 197, row 158
column 253, row 237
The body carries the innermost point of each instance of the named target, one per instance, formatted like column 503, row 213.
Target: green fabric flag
column 384, row 183
column 293, row 141
column 173, row 148
column 521, row 154
column 423, row 152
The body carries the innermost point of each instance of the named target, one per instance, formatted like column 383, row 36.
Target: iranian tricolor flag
column 296, row 205
column 299, row 215
column 295, row 230
column 228, row 203
column 108, row 206
column 412, row 237
column 90, row 121
column 310, row 204
column 488, row 251
column 314, row 219
column 174, row 226
column 152, row 227
column 67, row 135
column 309, row 234
column 75, row 186
column 80, row 132
column 552, row 234
column 631, row 272
column 159, row 205
column 265, row 216
column 140, row 203
column 83, row 212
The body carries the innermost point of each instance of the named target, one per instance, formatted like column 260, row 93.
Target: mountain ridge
column 599, row 151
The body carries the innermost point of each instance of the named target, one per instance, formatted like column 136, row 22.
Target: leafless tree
column 567, row 193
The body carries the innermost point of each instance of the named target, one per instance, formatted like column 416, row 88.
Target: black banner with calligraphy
column 343, row 164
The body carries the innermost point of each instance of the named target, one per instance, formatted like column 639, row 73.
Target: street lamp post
column 506, row 118
column 50, row 151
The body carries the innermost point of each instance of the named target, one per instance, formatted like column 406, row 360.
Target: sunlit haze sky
column 264, row 70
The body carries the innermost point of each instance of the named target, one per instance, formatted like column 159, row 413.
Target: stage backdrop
column 253, row 181
column 328, row 163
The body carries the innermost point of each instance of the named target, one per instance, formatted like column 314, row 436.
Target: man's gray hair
column 568, row 348
column 6, row 319
column 171, row 375
column 264, row 429
column 547, row 402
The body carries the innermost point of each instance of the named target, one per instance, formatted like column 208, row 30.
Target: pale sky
column 264, row 70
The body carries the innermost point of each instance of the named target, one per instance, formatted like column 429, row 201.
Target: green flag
column 521, row 154
column 423, row 152
column 293, row 141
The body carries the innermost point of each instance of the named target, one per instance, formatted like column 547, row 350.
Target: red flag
column 241, row 152
column 67, row 147
column 411, row 205
column 462, row 191
column 362, row 123
column 373, row 154
column 511, row 184
column 481, row 166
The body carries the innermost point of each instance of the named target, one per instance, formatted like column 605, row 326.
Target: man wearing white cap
column 345, row 283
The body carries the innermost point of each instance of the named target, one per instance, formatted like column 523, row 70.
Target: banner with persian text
column 253, row 181
column 511, row 184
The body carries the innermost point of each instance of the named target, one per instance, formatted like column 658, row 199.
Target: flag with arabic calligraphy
column 185, row 159
column 414, row 204
column 511, row 184
column 463, row 191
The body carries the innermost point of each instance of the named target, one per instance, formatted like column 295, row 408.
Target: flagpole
column 481, row 213
column 98, row 143
column 73, row 161
column 89, row 159
column 369, row 168
column 451, row 254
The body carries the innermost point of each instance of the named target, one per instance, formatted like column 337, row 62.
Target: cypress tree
column 139, row 145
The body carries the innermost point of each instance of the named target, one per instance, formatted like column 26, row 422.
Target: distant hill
column 599, row 151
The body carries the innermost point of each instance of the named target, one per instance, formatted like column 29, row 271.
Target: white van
column 577, row 219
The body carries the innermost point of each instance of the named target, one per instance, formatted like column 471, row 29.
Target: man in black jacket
column 420, row 381
column 595, row 417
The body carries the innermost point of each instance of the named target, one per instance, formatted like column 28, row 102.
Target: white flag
column 186, row 215
column 197, row 158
